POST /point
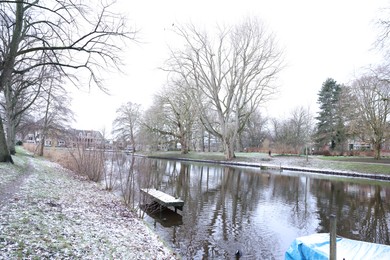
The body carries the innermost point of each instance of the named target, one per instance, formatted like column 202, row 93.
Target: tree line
column 218, row 81
column 347, row 113
column 218, row 84
column 359, row 111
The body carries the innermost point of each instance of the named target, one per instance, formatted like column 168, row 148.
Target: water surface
column 255, row 211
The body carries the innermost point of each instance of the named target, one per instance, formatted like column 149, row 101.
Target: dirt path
column 10, row 185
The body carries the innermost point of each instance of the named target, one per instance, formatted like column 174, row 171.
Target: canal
column 254, row 211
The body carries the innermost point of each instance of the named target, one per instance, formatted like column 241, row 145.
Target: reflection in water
column 362, row 210
column 162, row 215
column 259, row 213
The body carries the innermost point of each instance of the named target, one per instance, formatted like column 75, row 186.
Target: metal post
column 307, row 153
column 332, row 253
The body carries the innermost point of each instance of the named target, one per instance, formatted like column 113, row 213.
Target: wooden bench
column 164, row 199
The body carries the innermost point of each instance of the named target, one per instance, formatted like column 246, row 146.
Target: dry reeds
column 83, row 161
column 89, row 162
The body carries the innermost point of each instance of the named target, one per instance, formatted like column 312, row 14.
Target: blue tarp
column 316, row 246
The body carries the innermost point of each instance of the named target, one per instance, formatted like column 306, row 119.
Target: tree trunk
column 5, row 155
column 132, row 138
column 41, row 145
column 45, row 121
column 202, row 146
column 9, row 59
column 378, row 147
column 228, row 146
column 9, row 122
column 6, row 74
column 11, row 137
column 184, row 145
column 208, row 142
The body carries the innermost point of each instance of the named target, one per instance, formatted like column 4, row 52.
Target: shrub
column 89, row 162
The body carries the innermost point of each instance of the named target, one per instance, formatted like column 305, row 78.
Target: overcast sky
column 321, row 39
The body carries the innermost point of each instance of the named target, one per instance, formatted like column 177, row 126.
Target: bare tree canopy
column 371, row 93
column 127, row 123
column 86, row 36
column 293, row 134
column 55, row 114
column 177, row 108
column 230, row 75
column 383, row 39
column 65, row 34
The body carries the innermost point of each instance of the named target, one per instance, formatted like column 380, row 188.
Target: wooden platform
column 164, row 199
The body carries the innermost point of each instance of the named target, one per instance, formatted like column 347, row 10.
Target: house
column 69, row 138
column 87, row 138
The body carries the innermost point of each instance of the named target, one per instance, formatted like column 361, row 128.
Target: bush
column 89, row 163
column 324, row 153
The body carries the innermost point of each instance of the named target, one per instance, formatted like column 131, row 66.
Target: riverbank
column 48, row 212
column 358, row 167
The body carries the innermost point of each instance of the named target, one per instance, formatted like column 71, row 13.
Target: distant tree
column 127, row 123
column 330, row 125
column 301, row 125
column 281, row 134
column 26, row 125
column 153, row 119
column 55, row 115
column 230, row 75
column 177, row 107
column 345, row 114
column 199, row 135
column 255, row 130
column 293, row 133
column 371, row 93
column 66, row 34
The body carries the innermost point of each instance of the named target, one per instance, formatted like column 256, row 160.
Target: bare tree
column 371, row 93
column 56, row 113
column 255, row 130
column 153, row 119
column 302, row 126
column 65, row 34
column 20, row 96
column 293, row 133
column 178, row 109
column 230, row 75
column 282, row 135
column 126, row 125
column 383, row 39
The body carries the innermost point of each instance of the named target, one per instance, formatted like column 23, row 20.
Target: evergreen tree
column 330, row 126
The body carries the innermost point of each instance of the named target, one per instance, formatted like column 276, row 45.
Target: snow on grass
column 55, row 215
column 10, row 172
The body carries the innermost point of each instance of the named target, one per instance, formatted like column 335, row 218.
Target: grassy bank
column 213, row 156
column 354, row 164
column 360, row 164
column 47, row 212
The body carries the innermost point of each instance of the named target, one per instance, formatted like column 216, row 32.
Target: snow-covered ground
column 48, row 212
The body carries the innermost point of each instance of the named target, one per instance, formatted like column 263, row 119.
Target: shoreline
column 50, row 212
column 281, row 167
